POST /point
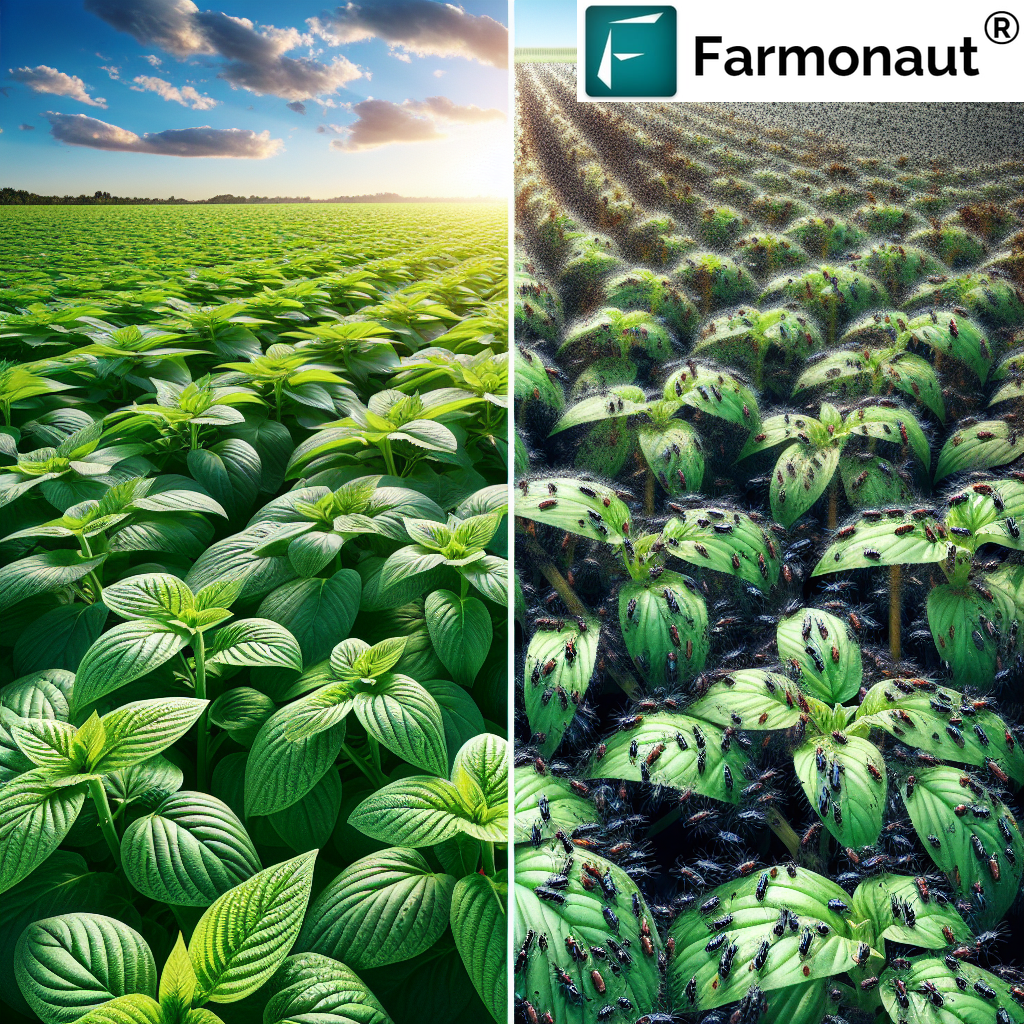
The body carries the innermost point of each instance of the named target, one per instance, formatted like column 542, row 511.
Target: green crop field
column 253, row 591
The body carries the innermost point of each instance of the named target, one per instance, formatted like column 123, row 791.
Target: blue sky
column 167, row 97
column 545, row 22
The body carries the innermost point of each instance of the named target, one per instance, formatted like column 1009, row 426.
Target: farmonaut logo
column 630, row 51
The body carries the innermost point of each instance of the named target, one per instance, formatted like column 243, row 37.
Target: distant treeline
column 19, row 197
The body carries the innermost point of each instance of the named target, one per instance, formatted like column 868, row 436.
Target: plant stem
column 83, row 543
column 895, row 609
column 99, row 798
column 488, row 857
column 373, row 774
column 203, row 736
column 389, row 459
column 193, row 432
column 782, row 828
column 833, row 501
column 277, row 398
column 649, row 493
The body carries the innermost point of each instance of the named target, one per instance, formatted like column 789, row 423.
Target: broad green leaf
column 71, row 964
column 852, row 810
column 148, row 782
column 129, row 1009
column 625, row 400
column 674, row 750
column 460, row 714
column 758, row 697
column 490, row 576
column 575, row 505
column 921, row 718
column 891, row 424
column 873, row 900
column 422, row 811
column 155, row 595
column 355, row 659
column 403, row 716
column 752, row 923
column 259, row 643
column 280, row 770
column 872, row 540
column 122, row 655
column 62, row 884
column 934, row 803
column 188, row 851
column 246, row 934
column 308, row 823
column 478, row 919
column 235, row 559
column 675, row 456
column 59, row 638
column 177, row 981
column 566, row 808
column 559, row 666
column 665, row 627
column 39, row 574
column 310, row 987
column 318, row 612
column 241, row 711
column 481, row 765
column 34, row 817
column 40, row 694
column 980, row 446
column 726, row 541
column 461, row 632
column 954, row 617
column 47, row 743
column 582, row 917
column 827, row 653
column 800, row 477
column 137, row 731
column 714, row 391
column 962, row 1003
column 387, row 907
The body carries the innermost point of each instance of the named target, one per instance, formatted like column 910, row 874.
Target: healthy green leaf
column 35, row 816
column 245, row 935
column 461, row 632
column 311, row 987
column 69, row 965
column 478, row 919
column 188, row 851
column 387, row 907
column 123, row 654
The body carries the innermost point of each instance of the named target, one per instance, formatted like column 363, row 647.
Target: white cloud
column 381, row 122
column 113, row 72
column 81, row 130
column 47, row 79
column 399, row 55
column 439, row 73
column 422, row 27
column 186, row 95
column 444, row 109
column 254, row 57
column 153, row 59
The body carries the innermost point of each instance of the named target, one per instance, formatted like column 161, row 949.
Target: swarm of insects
column 782, row 551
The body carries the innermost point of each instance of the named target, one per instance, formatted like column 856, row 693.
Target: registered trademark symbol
column 1001, row 27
